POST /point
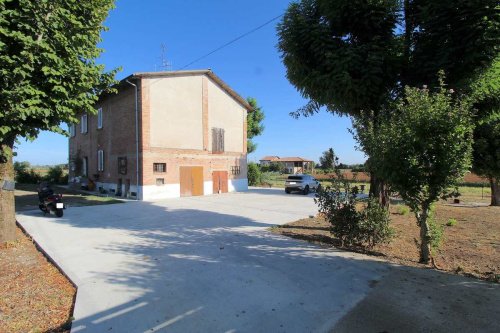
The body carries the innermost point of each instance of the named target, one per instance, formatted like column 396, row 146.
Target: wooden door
column 219, row 179
column 191, row 181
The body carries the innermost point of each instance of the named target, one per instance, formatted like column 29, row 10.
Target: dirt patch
column 471, row 247
column 34, row 295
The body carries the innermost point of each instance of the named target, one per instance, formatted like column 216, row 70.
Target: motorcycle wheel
column 59, row 212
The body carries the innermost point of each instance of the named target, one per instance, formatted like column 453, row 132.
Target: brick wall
column 116, row 138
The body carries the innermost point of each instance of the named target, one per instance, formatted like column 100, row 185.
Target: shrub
column 366, row 227
column 436, row 230
column 25, row 174
column 254, row 174
column 451, row 222
column 403, row 210
column 55, row 175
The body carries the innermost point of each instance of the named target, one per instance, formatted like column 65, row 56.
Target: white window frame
column 72, row 130
column 99, row 118
column 84, row 123
column 85, row 166
column 100, row 160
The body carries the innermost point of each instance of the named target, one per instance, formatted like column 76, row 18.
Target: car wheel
column 287, row 191
column 318, row 188
column 306, row 190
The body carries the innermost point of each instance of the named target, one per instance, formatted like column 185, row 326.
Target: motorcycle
column 48, row 201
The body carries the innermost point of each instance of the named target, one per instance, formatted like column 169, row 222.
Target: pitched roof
column 293, row 159
column 207, row 72
column 269, row 158
column 284, row 159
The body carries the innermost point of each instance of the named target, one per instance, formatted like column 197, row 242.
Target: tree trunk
column 495, row 191
column 7, row 208
column 378, row 190
column 425, row 237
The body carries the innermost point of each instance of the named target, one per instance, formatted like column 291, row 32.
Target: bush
column 436, row 230
column 403, row 210
column 55, row 175
column 254, row 174
column 25, row 174
column 451, row 222
column 366, row 227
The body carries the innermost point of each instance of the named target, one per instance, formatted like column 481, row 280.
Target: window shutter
column 99, row 118
column 217, row 140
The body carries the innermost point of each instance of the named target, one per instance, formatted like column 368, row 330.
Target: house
column 163, row 135
column 289, row 164
column 267, row 160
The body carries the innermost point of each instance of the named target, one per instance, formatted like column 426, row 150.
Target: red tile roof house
column 291, row 164
column 163, row 135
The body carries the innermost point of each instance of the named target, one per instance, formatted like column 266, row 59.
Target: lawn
column 470, row 247
column 27, row 197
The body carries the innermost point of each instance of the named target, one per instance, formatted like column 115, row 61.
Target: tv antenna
column 165, row 65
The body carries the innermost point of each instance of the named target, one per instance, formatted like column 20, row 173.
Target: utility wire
column 232, row 41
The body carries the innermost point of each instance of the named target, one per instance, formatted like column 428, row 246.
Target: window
column 100, row 160
column 83, row 123
column 122, row 165
column 217, row 140
column 160, row 181
column 99, row 118
column 85, row 167
column 159, row 167
column 72, row 130
column 235, row 170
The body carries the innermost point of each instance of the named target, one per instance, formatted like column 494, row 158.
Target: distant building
column 191, row 138
column 289, row 164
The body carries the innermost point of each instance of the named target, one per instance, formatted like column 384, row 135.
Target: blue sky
column 252, row 66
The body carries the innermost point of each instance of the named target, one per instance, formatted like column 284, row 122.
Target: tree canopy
column 48, row 52
column 424, row 149
column 328, row 160
column 254, row 124
column 48, row 64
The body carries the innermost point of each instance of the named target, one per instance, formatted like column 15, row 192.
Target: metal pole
column 136, row 140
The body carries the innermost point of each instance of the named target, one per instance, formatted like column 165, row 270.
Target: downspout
column 136, row 140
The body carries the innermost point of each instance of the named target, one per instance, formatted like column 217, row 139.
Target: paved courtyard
column 208, row 264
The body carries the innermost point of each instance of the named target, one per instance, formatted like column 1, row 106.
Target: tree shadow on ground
column 189, row 270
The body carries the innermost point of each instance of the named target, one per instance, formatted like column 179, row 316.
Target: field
column 474, row 189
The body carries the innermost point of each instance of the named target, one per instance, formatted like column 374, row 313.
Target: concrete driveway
column 208, row 264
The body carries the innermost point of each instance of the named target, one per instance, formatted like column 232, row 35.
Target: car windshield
column 294, row 177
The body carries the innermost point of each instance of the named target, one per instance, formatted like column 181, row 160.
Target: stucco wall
column 175, row 112
column 224, row 112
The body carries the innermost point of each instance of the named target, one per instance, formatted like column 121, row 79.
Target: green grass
column 469, row 192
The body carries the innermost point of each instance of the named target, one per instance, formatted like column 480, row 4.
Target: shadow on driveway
column 186, row 266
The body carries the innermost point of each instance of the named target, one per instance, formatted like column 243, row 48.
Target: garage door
column 191, row 181
column 219, row 179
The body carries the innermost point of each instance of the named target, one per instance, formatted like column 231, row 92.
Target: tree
column 254, row 124
column 49, row 75
column 486, row 154
column 355, row 57
column 328, row 160
column 423, row 150
column 343, row 56
column 254, row 175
